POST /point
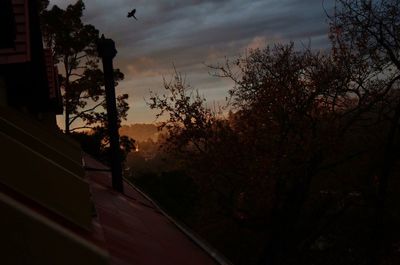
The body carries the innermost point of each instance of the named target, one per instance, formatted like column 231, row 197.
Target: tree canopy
column 309, row 149
column 74, row 48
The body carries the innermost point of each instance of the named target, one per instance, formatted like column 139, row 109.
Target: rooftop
column 134, row 230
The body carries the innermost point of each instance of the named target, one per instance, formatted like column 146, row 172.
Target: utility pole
column 107, row 51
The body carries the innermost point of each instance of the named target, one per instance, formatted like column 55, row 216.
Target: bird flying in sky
column 132, row 14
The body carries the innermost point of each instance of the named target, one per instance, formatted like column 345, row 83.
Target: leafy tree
column 309, row 137
column 189, row 120
column 286, row 113
column 291, row 109
column 74, row 47
column 96, row 143
column 196, row 135
column 42, row 5
column 366, row 35
column 279, row 110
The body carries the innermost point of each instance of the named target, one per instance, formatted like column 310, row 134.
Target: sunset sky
column 191, row 34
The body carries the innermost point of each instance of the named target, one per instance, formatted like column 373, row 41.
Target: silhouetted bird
column 132, row 14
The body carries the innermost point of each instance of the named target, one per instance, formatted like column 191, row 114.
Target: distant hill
column 140, row 131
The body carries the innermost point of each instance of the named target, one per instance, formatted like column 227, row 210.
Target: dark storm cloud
column 189, row 33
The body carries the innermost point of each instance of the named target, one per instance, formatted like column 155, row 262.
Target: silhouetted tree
column 74, row 47
column 310, row 136
column 42, row 5
column 199, row 138
column 96, row 143
column 286, row 114
column 294, row 119
column 365, row 35
column 189, row 120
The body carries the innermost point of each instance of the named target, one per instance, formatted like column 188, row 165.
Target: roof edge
column 212, row 252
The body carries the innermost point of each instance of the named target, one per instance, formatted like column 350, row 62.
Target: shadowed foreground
column 135, row 231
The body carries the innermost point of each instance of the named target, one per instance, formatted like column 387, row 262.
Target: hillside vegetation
column 305, row 168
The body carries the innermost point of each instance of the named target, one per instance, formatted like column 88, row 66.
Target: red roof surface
column 134, row 231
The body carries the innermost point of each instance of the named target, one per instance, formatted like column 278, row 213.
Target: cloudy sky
column 191, row 34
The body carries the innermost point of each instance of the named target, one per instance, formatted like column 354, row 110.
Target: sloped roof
column 135, row 231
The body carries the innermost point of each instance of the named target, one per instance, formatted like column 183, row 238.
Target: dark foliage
column 96, row 143
column 304, row 169
column 74, row 47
